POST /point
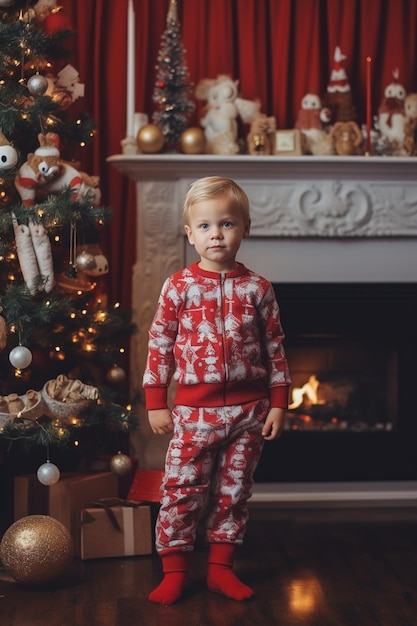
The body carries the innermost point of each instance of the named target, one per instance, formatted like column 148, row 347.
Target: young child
column 217, row 331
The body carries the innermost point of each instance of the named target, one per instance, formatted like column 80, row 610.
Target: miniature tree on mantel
column 173, row 91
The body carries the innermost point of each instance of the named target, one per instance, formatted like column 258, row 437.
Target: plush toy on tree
column 222, row 110
column 8, row 154
column 44, row 169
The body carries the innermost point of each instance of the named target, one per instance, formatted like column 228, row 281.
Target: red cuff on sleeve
column 279, row 396
column 156, row 398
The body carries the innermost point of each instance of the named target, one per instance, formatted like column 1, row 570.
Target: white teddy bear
column 223, row 108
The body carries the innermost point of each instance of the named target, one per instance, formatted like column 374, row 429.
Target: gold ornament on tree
column 150, row 139
column 36, row 550
column 193, row 141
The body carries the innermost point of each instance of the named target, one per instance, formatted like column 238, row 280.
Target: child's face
column 216, row 228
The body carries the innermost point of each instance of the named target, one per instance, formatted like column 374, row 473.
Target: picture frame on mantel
column 289, row 142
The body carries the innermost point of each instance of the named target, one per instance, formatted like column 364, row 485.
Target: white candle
column 130, row 93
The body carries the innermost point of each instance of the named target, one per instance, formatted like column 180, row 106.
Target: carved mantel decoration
column 296, row 199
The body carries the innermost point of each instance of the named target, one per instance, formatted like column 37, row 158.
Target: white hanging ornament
column 85, row 261
column 120, row 464
column 37, row 85
column 20, row 357
column 48, row 473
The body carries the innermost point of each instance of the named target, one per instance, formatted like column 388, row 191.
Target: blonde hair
column 213, row 187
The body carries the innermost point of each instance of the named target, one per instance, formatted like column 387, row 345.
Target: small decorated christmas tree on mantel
column 173, row 91
column 62, row 346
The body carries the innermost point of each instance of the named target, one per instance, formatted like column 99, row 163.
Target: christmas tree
column 173, row 91
column 61, row 344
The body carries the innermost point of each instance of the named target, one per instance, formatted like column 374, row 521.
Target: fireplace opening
column 351, row 349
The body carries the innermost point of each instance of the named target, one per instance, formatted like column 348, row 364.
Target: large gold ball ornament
column 36, row 549
column 150, row 138
column 120, row 464
column 193, row 141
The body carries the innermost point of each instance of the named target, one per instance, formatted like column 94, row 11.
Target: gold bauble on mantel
column 193, row 141
column 150, row 139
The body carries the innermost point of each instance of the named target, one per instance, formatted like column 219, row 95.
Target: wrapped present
column 114, row 528
column 146, row 486
column 65, row 499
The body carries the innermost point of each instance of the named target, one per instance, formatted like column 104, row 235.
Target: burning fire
column 309, row 389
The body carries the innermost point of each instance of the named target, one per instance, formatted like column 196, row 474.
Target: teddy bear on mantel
column 221, row 113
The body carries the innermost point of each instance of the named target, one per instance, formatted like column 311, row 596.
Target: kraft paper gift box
column 65, row 499
column 115, row 531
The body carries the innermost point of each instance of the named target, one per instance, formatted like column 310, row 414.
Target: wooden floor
column 338, row 567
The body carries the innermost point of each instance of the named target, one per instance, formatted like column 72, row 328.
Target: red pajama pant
column 211, row 459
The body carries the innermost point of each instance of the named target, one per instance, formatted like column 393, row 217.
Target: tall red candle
column 368, row 106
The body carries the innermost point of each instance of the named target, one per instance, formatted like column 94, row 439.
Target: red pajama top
column 220, row 337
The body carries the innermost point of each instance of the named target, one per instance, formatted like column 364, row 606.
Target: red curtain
column 278, row 49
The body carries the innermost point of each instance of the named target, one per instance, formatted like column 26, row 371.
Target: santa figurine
column 391, row 117
column 338, row 97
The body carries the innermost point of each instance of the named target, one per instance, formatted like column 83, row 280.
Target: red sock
column 220, row 576
column 175, row 568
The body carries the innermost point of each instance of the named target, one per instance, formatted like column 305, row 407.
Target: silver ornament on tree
column 120, row 464
column 20, row 357
column 85, row 261
column 48, row 473
column 37, row 85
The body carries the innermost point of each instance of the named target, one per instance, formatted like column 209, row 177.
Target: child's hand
column 274, row 424
column 161, row 421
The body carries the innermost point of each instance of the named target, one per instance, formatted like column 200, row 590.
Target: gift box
column 114, row 531
column 146, row 486
column 64, row 500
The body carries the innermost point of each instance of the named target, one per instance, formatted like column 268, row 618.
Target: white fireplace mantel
column 314, row 219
